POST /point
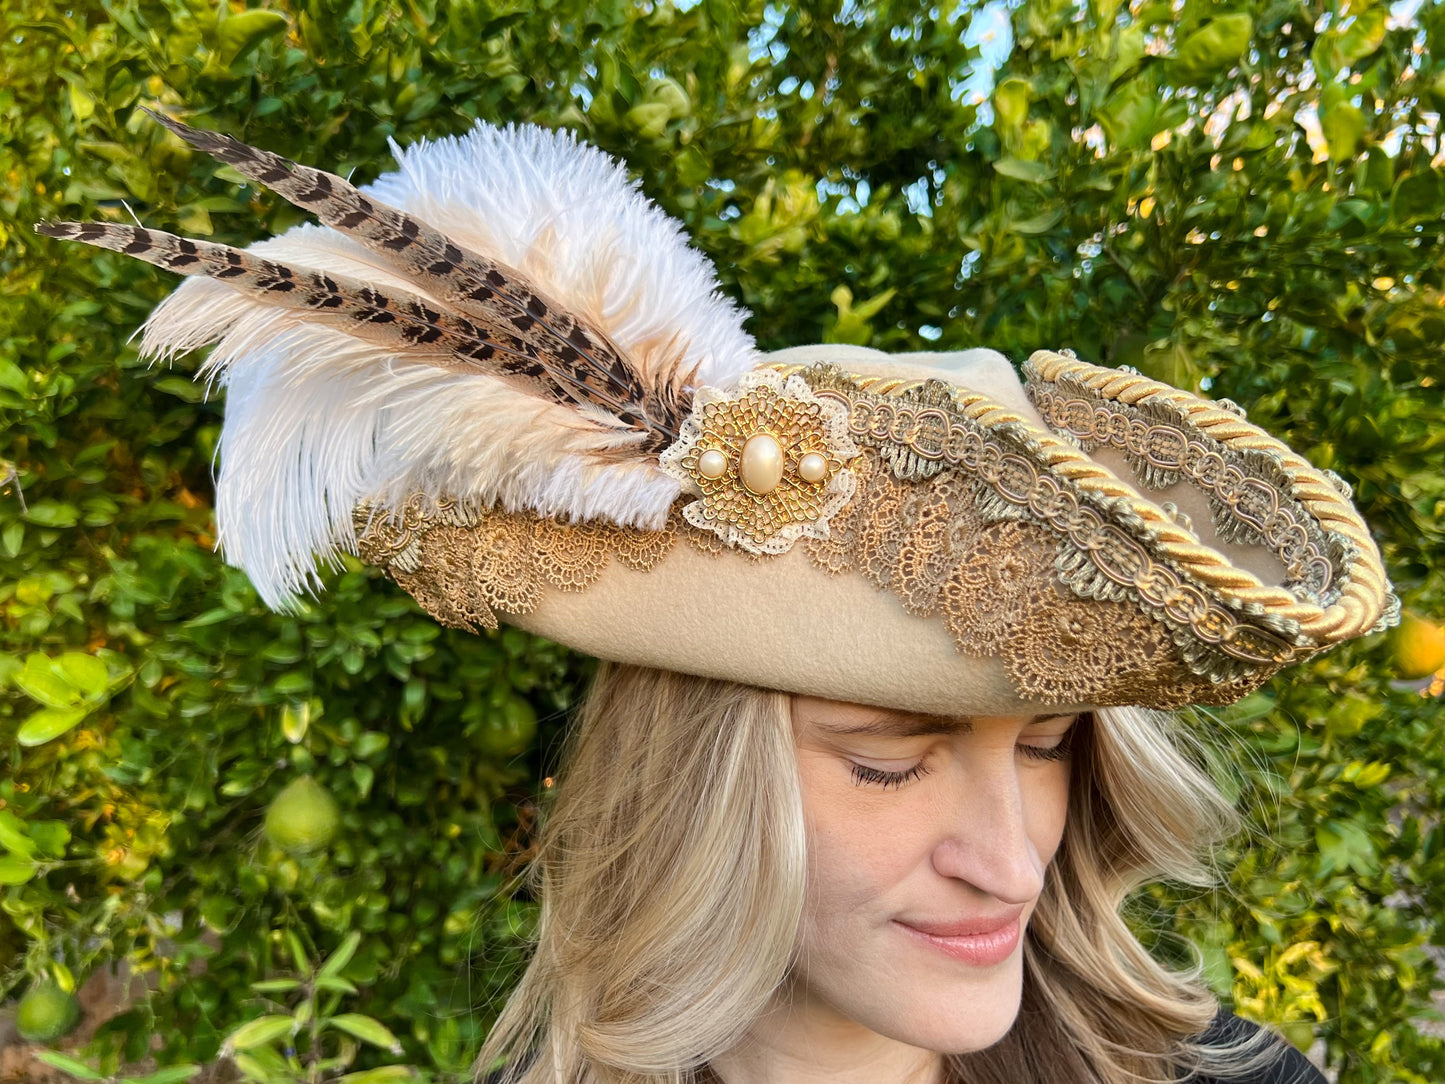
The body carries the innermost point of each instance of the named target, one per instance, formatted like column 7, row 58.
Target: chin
column 967, row 1020
column 941, row 1010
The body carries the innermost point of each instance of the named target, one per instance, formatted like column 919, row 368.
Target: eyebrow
column 912, row 726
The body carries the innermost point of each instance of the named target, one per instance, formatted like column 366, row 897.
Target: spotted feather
column 412, row 326
column 580, row 359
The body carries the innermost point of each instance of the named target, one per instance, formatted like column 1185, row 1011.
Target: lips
column 981, row 941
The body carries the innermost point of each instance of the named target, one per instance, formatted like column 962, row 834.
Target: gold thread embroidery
column 1231, row 644
column 996, row 587
column 462, row 563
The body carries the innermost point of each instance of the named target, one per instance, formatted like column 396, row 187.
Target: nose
column 984, row 838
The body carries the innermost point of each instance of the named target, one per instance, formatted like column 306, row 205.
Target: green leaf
column 41, row 680
column 15, row 870
column 84, row 672
column 298, row 952
column 49, row 723
column 1341, row 123
column 183, row 388
column 174, row 1074
column 1011, row 100
column 1217, row 44
column 387, row 1074
column 244, row 31
column 367, row 1030
column 1362, row 35
column 336, row 963
column 295, row 719
column 1022, row 170
column 51, row 837
column 13, row 377
column 77, row 1069
column 258, row 1032
column 253, row 1069
column 53, row 514
column 1039, row 223
column 334, row 985
column 13, row 835
column 370, row 743
column 276, row 986
column 1418, row 196
column 1130, row 116
column 1345, row 845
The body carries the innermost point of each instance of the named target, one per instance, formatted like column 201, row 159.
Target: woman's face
column 928, row 838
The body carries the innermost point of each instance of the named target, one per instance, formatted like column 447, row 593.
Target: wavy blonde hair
column 671, row 877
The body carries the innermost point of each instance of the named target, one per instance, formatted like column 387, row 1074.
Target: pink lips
column 981, row 942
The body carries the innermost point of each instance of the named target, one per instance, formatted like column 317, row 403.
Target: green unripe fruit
column 303, row 818
column 46, row 1013
column 508, row 730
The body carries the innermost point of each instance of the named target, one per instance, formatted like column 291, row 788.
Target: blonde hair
column 671, row 877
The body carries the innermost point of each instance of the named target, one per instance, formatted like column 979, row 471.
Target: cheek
column 859, row 844
column 1047, row 808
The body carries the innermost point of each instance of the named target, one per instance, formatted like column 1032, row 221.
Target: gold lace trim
column 996, row 586
column 462, row 563
column 966, row 514
column 920, row 432
column 1361, row 599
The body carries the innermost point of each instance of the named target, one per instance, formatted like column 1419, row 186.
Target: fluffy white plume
column 317, row 420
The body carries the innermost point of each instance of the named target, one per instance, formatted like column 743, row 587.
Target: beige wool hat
column 501, row 374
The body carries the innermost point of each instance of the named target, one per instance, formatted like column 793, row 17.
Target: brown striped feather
column 396, row 320
column 476, row 286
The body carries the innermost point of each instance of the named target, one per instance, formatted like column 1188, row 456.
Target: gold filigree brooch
column 767, row 460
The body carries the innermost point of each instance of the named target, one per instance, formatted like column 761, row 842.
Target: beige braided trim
column 1365, row 591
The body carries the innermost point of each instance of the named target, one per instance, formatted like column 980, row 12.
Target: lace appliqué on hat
column 947, row 502
column 463, row 563
column 996, row 586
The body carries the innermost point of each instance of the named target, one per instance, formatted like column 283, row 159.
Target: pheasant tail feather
column 580, row 360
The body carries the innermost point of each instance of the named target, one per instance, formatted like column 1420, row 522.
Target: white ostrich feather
column 318, row 420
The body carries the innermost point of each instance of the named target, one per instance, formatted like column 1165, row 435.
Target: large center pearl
column 761, row 464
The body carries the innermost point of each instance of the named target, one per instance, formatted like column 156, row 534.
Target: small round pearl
column 812, row 467
column 761, row 466
column 712, row 464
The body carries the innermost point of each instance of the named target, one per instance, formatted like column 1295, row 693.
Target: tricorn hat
column 502, row 375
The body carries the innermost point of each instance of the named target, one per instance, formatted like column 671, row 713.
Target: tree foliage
column 1244, row 197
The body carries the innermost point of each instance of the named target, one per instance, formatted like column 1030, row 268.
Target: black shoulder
column 1288, row 1066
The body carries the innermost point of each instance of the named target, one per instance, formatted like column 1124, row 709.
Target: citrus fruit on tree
column 46, row 1012
column 508, row 728
column 303, row 818
column 1419, row 647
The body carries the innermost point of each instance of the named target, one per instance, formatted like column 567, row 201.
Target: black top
column 1290, row 1067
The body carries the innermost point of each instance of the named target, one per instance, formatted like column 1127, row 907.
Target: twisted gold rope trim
column 1362, row 598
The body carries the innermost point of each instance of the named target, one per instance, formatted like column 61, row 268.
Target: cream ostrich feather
column 505, row 319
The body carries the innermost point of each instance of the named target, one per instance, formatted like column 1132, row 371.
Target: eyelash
column 1039, row 752
column 864, row 774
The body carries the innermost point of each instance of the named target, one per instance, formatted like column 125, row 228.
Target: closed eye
column 865, row 774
